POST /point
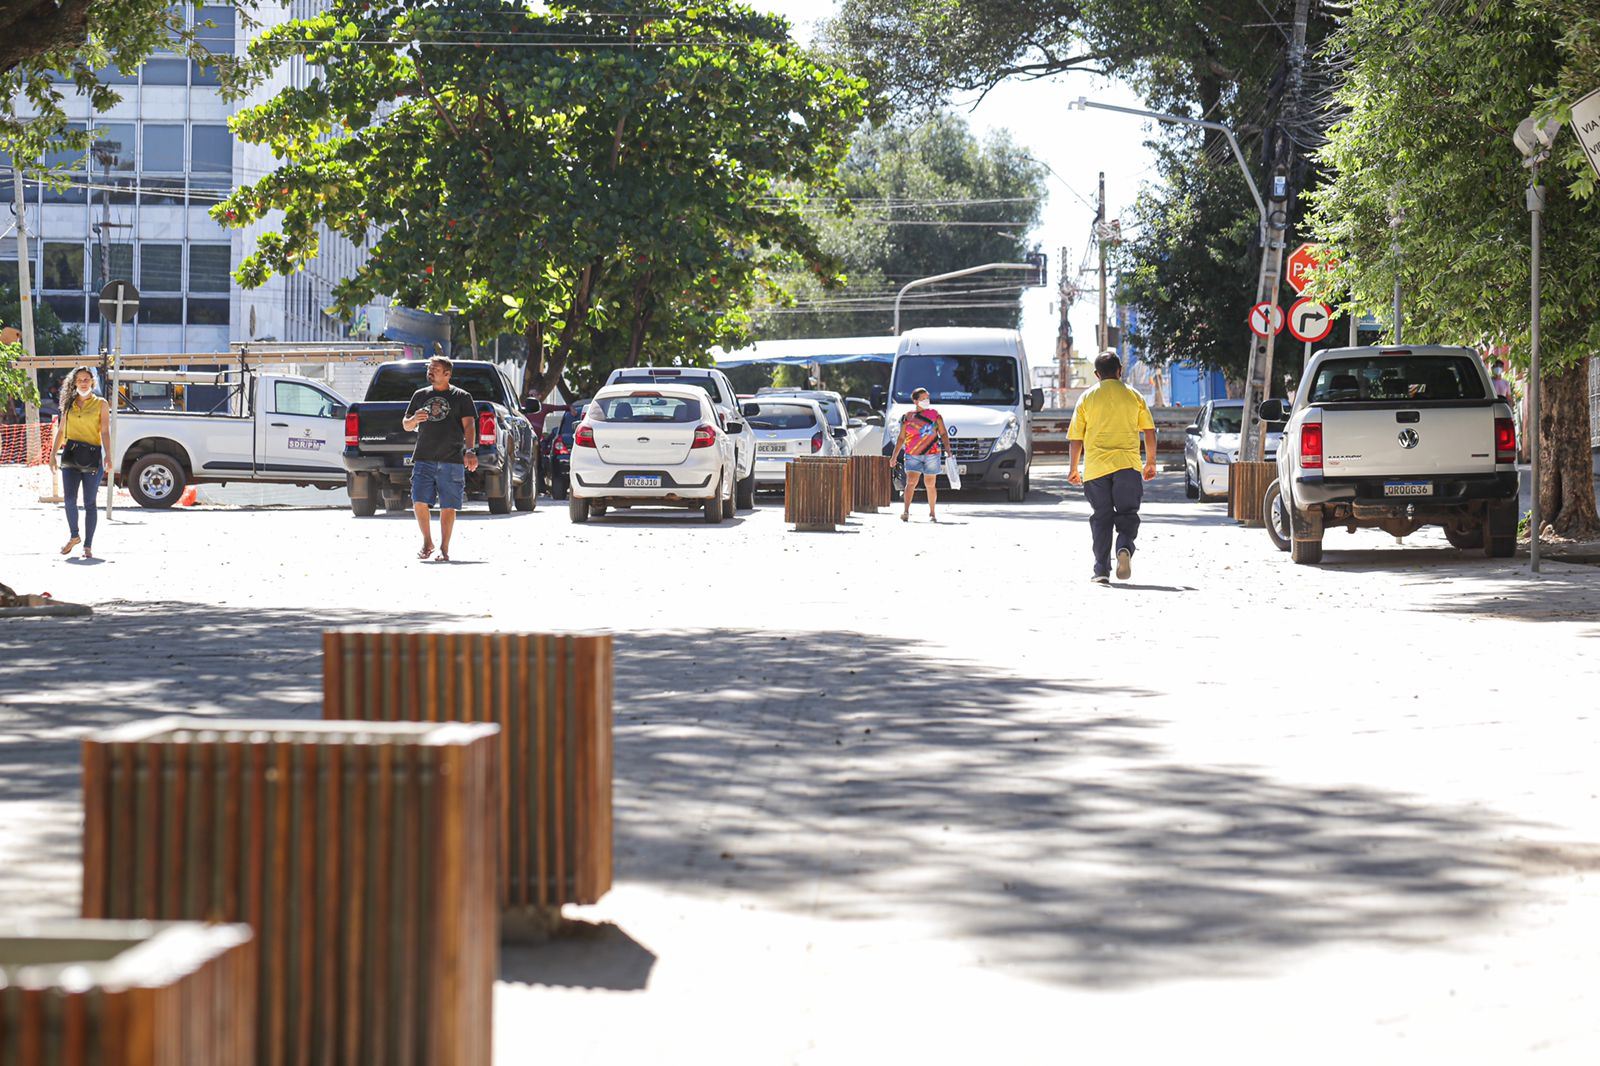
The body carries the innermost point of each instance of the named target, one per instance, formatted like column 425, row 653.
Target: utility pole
column 105, row 153
column 1103, row 339
column 1258, row 379
column 1066, row 291
column 25, row 300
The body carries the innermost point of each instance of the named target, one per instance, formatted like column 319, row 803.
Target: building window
column 69, row 309
column 208, row 267
column 163, row 148
column 161, row 311
column 216, row 38
column 208, row 312
column 212, row 150
column 121, row 264
column 61, row 267
column 70, row 162
column 161, row 267
column 166, row 72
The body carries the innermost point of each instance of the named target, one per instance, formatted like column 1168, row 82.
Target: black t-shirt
column 441, row 439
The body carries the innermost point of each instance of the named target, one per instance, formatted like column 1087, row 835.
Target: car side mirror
column 735, row 427
column 1036, row 400
column 855, row 423
column 1272, row 411
column 530, row 406
column 1194, row 430
column 339, row 411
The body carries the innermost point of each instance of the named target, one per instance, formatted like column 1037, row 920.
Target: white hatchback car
column 653, row 445
column 1211, row 445
column 785, row 427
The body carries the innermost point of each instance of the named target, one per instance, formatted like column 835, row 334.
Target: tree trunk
column 1566, row 462
column 533, row 363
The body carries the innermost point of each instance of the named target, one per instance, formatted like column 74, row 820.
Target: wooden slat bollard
column 1247, row 485
column 816, row 493
column 551, row 696
column 869, row 483
column 127, row 994
column 361, row 854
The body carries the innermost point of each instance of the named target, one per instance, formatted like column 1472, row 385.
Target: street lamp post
column 1533, row 139
column 919, row 282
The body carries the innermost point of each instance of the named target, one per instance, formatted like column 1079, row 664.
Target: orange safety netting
column 14, row 443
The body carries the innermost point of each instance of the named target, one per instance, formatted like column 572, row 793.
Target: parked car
column 653, row 445
column 269, row 428
column 1211, row 445
column 715, row 384
column 1396, row 438
column 979, row 380
column 841, row 427
column 377, row 449
column 785, row 427
column 555, row 449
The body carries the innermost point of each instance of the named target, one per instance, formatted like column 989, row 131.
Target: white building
column 174, row 158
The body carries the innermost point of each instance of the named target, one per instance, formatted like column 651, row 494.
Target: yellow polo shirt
column 1109, row 419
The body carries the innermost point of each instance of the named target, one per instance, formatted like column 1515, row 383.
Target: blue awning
column 824, row 351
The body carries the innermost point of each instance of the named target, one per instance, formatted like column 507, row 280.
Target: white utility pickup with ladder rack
column 1395, row 438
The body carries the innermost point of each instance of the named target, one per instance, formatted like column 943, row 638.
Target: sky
column 1077, row 145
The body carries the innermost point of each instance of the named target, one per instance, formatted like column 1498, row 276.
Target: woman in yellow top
column 83, row 451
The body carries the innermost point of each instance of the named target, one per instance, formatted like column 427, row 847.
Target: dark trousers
column 1115, row 499
column 71, row 483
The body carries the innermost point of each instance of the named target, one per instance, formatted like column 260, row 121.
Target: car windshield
column 699, row 381
column 784, row 416
column 988, row 379
column 395, row 384
column 1417, row 379
column 644, row 407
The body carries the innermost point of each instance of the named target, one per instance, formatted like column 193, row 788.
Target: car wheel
column 746, row 499
column 713, row 508
column 1277, row 516
column 526, row 497
column 157, row 480
column 1466, row 539
column 1016, row 492
column 1191, row 488
column 578, row 510
column 503, row 503
column 730, row 502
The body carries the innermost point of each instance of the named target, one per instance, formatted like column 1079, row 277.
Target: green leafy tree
column 925, row 198
column 15, row 381
column 50, row 337
column 1431, row 105
column 604, row 184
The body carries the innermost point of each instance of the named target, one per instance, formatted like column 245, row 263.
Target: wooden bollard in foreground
column 870, row 487
column 127, row 994
column 1247, row 486
column 551, row 696
column 816, row 493
column 362, row 855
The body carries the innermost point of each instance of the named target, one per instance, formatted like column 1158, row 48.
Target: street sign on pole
column 1301, row 265
column 1266, row 318
column 119, row 302
column 1586, row 127
column 1310, row 320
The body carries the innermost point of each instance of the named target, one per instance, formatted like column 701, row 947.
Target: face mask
column 922, row 404
column 84, row 390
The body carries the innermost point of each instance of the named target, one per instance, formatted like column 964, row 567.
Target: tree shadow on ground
column 854, row 777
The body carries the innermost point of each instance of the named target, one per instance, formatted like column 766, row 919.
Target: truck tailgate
column 1406, row 442
column 381, row 432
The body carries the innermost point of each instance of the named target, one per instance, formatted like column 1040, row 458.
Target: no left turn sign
column 1266, row 318
column 1310, row 320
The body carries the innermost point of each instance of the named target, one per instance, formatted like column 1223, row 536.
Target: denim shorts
column 438, row 484
column 928, row 463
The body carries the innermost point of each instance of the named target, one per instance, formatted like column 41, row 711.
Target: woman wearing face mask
column 924, row 443
column 83, row 452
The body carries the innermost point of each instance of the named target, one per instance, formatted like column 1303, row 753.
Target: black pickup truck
column 377, row 450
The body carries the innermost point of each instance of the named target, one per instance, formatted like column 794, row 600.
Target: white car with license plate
column 786, row 427
column 1395, row 438
column 653, row 445
column 1211, row 446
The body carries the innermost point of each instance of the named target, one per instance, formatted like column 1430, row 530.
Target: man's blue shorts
column 439, row 485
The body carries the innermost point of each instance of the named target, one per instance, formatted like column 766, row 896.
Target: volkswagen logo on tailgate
column 1409, row 438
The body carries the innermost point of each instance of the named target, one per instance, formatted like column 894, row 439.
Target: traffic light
column 1041, row 265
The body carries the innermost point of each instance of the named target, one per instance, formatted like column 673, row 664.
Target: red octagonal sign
column 1301, row 265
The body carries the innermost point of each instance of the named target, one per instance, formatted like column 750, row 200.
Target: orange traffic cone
column 190, row 497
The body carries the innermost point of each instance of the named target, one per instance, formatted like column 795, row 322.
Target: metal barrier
column 361, row 854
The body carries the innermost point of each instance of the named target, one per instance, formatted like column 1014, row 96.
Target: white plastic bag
column 952, row 472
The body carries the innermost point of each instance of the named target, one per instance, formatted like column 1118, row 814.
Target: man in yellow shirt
column 1105, row 431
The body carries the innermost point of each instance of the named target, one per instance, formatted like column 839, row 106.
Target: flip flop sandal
column 905, row 516
column 66, row 549
column 424, row 552
column 444, row 557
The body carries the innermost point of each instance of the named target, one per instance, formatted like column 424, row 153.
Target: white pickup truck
column 271, row 427
column 1395, row 438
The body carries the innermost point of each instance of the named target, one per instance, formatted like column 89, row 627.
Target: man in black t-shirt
column 445, row 421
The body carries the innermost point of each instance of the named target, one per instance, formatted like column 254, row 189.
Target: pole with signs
column 118, row 301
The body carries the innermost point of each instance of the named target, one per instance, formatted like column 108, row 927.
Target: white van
column 979, row 381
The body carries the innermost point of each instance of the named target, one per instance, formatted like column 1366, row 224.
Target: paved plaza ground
column 911, row 793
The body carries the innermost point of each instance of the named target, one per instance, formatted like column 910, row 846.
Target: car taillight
column 584, row 438
column 561, row 446
column 486, row 428
column 1505, row 441
column 704, row 437
column 352, row 430
column 816, row 443
column 1311, row 446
